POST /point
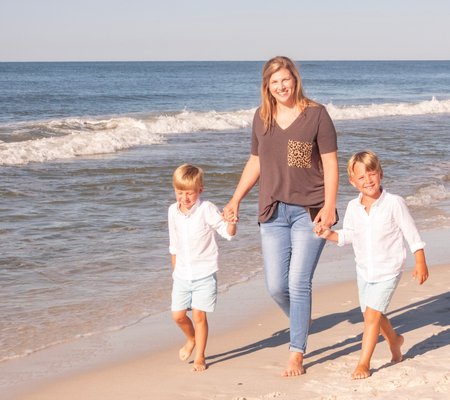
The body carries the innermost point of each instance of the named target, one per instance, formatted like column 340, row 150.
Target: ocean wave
column 432, row 106
column 74, row 137
column 428, row 195
column 40, row 141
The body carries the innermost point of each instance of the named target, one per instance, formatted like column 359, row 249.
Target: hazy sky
column 73, row 30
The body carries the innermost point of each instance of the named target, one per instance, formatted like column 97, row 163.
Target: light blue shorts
column 376, row 295
column 200, row 294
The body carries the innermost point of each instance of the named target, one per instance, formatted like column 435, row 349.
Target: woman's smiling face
column 282, row 86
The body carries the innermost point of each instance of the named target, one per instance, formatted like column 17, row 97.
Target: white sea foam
column 187, row 122
column 74, row 137
column 77, row 137
column 428, row 195
column 432, row 106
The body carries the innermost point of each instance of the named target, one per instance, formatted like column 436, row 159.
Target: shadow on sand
column 427, row 312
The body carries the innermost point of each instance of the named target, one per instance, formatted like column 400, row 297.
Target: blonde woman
column 294, row 158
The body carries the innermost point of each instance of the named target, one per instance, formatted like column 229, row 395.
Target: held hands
column 326, row 217
column 322, row 231
column 230, row 217
column 323, row 221
column 230, row 212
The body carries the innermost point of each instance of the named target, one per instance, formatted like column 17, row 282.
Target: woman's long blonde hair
column 268, row 102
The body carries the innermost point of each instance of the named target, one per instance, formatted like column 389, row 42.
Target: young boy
column 192, row 227
column 375, row 223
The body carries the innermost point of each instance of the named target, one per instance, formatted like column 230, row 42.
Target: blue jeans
column 291, row 251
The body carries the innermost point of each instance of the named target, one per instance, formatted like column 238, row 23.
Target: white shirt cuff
column 341, row 239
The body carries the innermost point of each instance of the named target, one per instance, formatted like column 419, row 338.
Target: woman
column 294, row 157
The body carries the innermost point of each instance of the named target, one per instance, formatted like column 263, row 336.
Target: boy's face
column 367, row 182
column 187, row 198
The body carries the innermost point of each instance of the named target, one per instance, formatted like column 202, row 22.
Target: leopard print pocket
column 299, row 154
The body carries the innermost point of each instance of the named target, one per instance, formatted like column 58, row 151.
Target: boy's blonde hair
column 368, row 158
column 188, row 177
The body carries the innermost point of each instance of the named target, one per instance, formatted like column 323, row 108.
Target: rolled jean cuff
column 295, row 350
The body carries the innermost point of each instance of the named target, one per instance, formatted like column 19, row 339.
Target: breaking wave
column 40, row 141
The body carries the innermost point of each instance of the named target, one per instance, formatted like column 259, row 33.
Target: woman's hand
column 321, row 231
column 326, row 217
column 231, row 211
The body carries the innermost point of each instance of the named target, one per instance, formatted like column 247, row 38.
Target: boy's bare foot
column 186, row 351
column 199, row 366
column 396, row 350
column 295, row 365
column 361, row 372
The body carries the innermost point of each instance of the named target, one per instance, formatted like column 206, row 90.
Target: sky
column 183, row 30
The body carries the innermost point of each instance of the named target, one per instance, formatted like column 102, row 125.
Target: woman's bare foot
column 361, row 372
column 186, row 351
column 295, row 365
column 396, row 350
column 199, row 365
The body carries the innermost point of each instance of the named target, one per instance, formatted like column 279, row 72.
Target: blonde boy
column 375, row 223
column 192, row 227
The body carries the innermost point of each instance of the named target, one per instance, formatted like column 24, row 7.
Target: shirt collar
column 191, row 211
column 377, row 201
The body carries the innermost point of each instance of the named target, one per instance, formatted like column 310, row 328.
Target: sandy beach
column 248, row 348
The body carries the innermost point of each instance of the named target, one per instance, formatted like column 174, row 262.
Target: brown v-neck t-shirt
column 291, row 169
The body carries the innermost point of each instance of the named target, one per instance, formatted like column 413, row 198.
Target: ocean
column 86, row 156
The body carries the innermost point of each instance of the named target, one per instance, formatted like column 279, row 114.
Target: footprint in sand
column 443, row 385
column 272, row 395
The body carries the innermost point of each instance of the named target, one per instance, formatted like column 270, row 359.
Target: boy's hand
column 230, row 212
column 325, row 217
column 230, row 217
column 321, row 231
column 420, row 272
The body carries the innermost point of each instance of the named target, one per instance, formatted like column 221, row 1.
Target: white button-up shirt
column 193, row 240
column 377, row 237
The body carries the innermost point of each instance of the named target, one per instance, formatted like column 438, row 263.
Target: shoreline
column 247, row 348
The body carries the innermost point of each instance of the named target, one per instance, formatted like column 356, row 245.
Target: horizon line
column 230, row 60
